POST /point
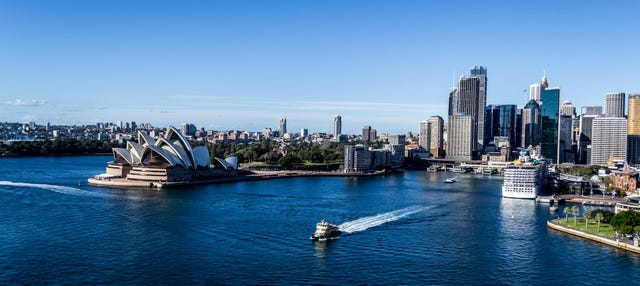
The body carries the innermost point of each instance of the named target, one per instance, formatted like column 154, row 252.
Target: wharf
column 624, row 244
column 255, row 176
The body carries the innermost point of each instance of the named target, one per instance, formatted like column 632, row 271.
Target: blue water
column 404, row 229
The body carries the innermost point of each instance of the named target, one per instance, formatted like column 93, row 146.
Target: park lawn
column 606, row 229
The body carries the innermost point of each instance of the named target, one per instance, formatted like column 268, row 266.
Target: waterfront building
column 530, row 124
column 337, row 126
column 609, row 139
column 633, row 130
column 436, row 128
column 357, row 158
column 282, row 126
column 424, row 138
column 167, row 159
column 625, row 180
column 460, row 138
column 614, row 104
column 550, row 123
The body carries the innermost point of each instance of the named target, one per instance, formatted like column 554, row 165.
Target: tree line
column 62, row 146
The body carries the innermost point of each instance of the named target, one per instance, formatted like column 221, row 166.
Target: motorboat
column 450, row 180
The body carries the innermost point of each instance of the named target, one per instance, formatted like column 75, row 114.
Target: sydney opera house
column 169, row 158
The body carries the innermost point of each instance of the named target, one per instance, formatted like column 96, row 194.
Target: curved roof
column 171, row 159
column 136, row 152
column 201, row 154
column 233, row 161
column 122, row 155
column 177, row 150
column 144, row 139
column 228, row 163
column 175, row 137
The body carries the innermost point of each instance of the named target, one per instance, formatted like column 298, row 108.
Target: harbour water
column 408, row 228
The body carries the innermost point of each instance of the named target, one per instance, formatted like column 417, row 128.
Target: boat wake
column 365, row 223
column 55, row 188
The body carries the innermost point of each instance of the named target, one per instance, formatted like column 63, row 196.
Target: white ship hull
column 528, row 193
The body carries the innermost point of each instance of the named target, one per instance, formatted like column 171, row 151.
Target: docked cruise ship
column 525, row 178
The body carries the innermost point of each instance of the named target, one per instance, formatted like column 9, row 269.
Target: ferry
column 325, row 231
column 526, row 178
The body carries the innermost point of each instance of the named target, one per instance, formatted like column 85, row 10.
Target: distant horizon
column 242, row 65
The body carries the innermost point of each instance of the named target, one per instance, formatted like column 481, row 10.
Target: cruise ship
column 526, row 177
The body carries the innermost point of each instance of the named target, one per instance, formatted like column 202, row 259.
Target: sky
column 242, row 65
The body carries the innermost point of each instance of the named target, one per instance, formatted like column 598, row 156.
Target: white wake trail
column 56, row 188
column 376, row 220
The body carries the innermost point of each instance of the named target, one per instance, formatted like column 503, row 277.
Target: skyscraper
column 568, row 109
column 609, row 139
column 550, row 123
column 283, row 126
column 584, row 139
column 453, row 102
column 614, row 104
column 460, row 139
column 436, row 128
column 535, row 90
column 337, row 126
column 366, row 133
column 424, row 138
column 530, row 124
column 480, row 73
column 633, row 130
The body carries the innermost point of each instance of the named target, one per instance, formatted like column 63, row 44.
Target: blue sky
column 244, row 64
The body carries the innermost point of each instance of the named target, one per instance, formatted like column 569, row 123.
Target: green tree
column 586, row 213
column 598, row 218
column 625, row 221
column 575, row 211
column 566, row 211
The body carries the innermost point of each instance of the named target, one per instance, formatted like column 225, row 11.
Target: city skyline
column 244, row 65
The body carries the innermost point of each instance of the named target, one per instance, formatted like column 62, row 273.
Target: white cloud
column 24, row 102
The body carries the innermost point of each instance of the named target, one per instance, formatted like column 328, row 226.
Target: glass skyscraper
column 550, row 111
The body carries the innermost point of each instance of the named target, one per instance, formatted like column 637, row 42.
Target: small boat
column 325, row 231
column 553, row 209
column 450, row 180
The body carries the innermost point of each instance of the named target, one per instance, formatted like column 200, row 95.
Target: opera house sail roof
column 172, row 150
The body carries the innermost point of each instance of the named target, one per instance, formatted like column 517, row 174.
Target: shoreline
column 255, row 176
column 552, row 224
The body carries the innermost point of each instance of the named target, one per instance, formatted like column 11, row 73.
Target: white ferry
column 525, row 178
column 325, row 231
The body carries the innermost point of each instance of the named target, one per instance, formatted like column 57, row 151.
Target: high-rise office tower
column 337, row 126
column 633, row 130
column 459, row 137
column 535, row 90
column 424, row 138
column 614, row 104
column 468, row 98
column 304, row 132
column 550, row 123
column 366, row 133
column 453, row 101
column 530, row 124
column 609, row 139
column 283, row 126
column 584, row 139
column 507, row 115
column 480, row 73
column 591, row 110
column 568, row 109
column 436, row 128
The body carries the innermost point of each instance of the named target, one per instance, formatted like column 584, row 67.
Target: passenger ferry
column 526, row 178
column 325, row 230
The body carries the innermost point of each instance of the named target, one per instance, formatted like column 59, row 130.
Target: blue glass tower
column 550, row 111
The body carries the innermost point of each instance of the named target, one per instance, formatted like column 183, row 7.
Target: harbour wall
column 615, row 243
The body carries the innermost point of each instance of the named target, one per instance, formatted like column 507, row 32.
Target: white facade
column 337, row 126
column 608, row 139
column 460, row 140
column 535, row 92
